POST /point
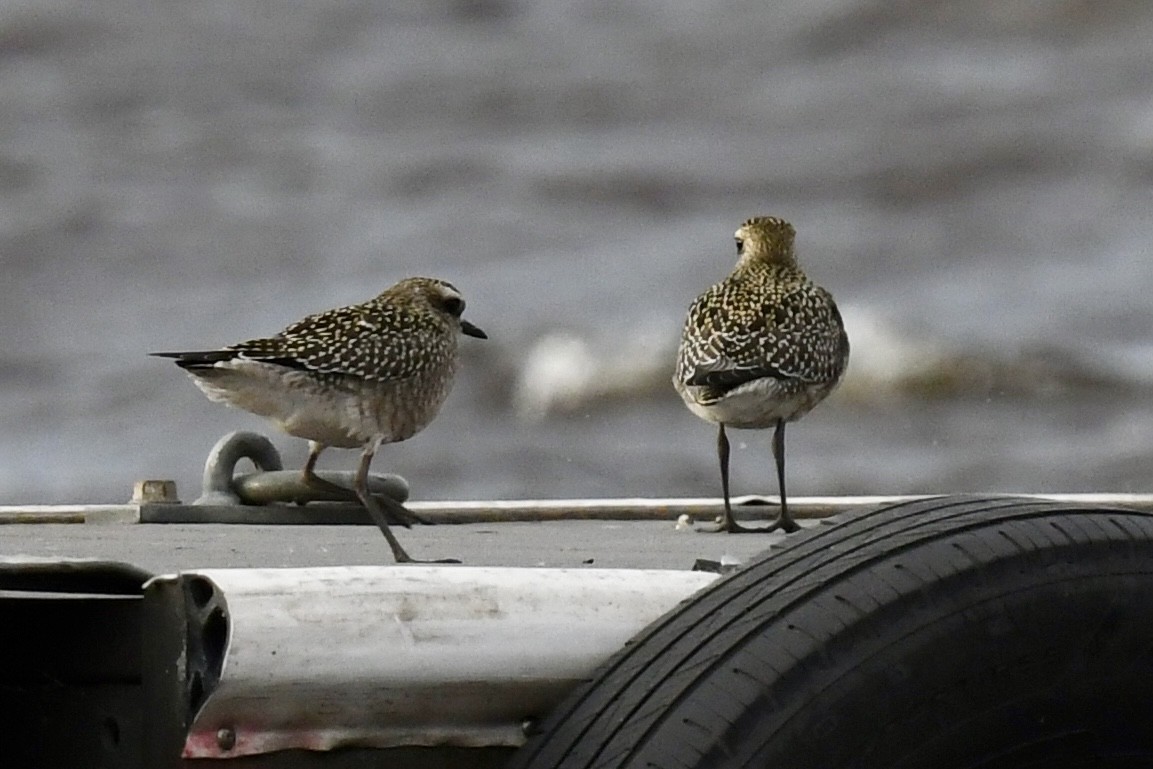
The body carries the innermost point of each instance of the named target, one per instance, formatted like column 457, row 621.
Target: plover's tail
column 198, row 359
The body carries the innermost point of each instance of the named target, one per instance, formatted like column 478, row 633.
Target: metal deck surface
column 164, row 548
column 638, row 534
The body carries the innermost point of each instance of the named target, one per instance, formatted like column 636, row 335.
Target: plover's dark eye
column 740, row 246
column 454, row 305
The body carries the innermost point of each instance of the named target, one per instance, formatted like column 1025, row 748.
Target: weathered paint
column 370, row 656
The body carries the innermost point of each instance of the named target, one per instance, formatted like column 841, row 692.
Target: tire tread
column 606, row 720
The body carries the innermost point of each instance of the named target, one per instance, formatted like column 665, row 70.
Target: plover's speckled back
column 352, row 377
column 760, row 348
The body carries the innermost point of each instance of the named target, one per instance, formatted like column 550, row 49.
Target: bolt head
column 154, row 492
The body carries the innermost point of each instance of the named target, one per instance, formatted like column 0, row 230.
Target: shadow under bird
column 352, row 377
column 760, row 349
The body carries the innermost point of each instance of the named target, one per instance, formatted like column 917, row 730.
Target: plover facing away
column 351, row 377
column 760, row 349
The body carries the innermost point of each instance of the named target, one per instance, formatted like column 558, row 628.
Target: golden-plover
column 351, row 377
column 760, row 349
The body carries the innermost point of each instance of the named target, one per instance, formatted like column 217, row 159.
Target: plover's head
column 766, row 239
column 438, row 296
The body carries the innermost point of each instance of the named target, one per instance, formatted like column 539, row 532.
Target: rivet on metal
column 226, row 738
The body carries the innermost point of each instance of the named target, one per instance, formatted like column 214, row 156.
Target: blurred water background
column 972, row 180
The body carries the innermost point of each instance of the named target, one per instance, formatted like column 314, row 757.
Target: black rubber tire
column 946, row 633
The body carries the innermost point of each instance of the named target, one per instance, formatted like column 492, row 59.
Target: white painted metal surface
column 385, row 656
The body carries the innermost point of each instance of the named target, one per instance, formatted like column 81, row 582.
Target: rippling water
column 972, row 180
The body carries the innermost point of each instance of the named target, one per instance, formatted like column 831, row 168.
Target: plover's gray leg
column 728, row 523
column 784, row 520
column 399, row 514
column 318, row 483
column 372, row 504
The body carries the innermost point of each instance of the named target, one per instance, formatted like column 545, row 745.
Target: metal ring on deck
column 272, row 483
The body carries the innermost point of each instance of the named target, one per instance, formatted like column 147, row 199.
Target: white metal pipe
column 386, row 656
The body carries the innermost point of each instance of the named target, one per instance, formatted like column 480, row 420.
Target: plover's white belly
column 344, row 412
column 758, row 404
